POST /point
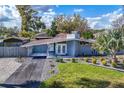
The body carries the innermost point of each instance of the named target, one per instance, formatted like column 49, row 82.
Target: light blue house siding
column 40, row 49
column 73, row 48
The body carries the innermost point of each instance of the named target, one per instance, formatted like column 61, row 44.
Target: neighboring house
column 66, row 45
column 14, row 41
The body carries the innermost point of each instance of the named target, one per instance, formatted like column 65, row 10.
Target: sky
column 98, row 16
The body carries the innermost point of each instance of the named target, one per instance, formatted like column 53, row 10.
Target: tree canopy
column 8, row 31
column 110, row 42
column 71, row 23
column 30, row 22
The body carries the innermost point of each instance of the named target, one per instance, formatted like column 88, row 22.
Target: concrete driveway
column 29, row 74
column 7, row 67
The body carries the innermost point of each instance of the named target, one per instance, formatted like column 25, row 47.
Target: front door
column 61, row 49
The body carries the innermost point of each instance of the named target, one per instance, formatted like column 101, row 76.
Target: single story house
column 66, row 45
column 15, row 41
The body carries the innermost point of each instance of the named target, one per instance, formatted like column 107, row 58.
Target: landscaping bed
column 105, row 62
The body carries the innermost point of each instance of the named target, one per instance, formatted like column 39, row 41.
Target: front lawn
column 76, row 75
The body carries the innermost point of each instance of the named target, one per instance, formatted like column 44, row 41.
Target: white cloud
column 9, row 16
column 78, row 10
column 49, row 12
column 47, row 17
column 104, row 21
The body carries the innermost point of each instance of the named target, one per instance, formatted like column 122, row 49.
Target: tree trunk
column 114, row 58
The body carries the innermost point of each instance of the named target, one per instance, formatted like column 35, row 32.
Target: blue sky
column 87, row 10
column 98, row 16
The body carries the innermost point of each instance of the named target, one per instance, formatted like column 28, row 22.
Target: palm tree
column 110, row 42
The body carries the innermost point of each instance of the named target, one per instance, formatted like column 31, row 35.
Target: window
column 61, row 49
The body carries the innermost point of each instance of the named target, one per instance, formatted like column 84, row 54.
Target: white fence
column 13, row 51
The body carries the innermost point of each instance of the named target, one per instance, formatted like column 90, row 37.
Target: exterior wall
column 121, row 52
column 88, row 51
column 73, row 48
column 77, row 48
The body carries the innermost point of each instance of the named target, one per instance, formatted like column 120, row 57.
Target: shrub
column 52, row 71
column 52, row 65
column 114, row 64
column 57, row 84
column 60, row 60
column 74, row 60
column 94, row 60
column 102, row 59
column 20, row 59
column 123, row 61
column 68, row 60
column 104, row 62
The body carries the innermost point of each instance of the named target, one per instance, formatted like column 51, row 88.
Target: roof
column 59, row 38
column 88, row 40
column 61, row 35
column 15, row 39
column 42, row 35
column 44, row 41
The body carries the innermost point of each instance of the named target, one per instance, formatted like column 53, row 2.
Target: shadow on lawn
column 90, row 83
column 28, row 84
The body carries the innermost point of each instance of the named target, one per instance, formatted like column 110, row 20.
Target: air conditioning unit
column 74, row 35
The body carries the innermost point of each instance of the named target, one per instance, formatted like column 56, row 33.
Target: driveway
column 29, row 74
column 7, row 67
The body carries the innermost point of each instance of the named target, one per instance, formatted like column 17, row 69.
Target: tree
column 27, row 34
column 36, row 24
column 87, row 35
column 53, row 30
column 110, row 42
column 71, row 23
column 80, row 24
column 23, row 11
column 30, row 22
column 118, row 23
column 8, row 31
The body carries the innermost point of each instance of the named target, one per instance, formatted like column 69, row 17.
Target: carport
column 40, row 51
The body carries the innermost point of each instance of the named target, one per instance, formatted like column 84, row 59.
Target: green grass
column 76, row 75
